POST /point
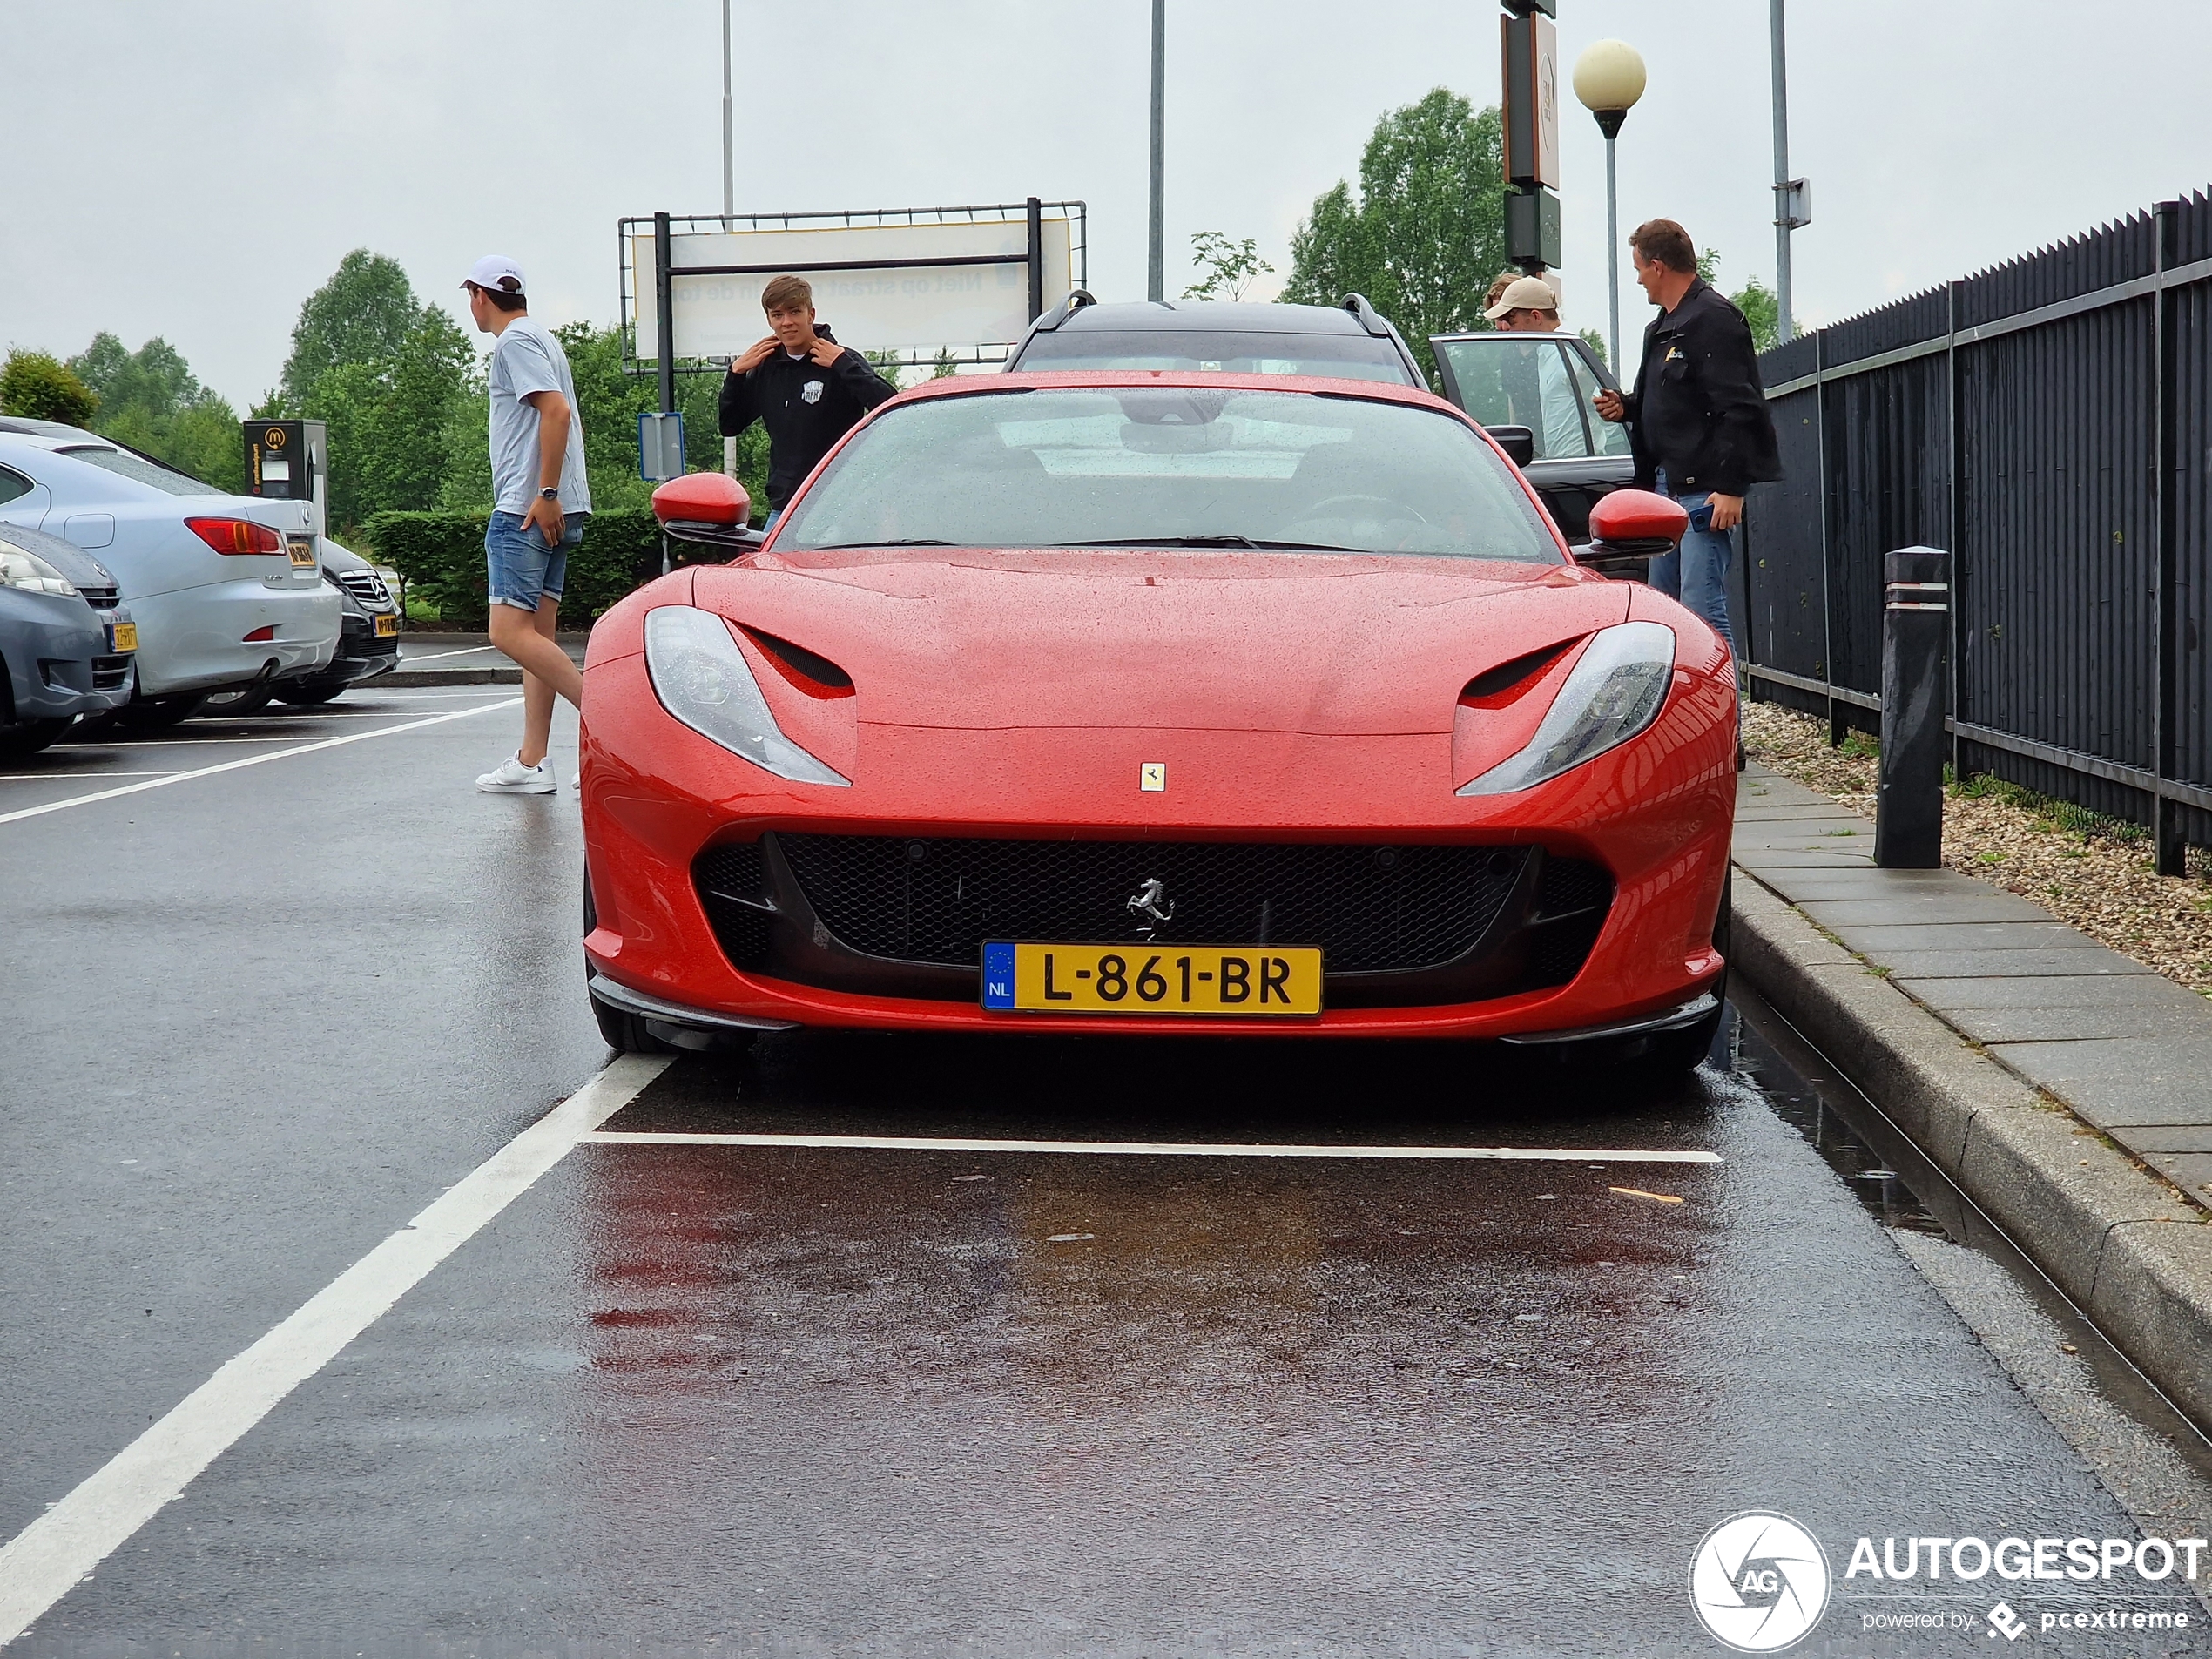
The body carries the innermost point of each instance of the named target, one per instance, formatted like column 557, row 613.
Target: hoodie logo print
column 811, row 392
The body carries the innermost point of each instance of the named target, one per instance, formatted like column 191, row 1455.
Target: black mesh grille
column 734, row 869
column 1582, row 895
column 108, row 672
column 1570, row 884
column 727, row 873
column 1370, row 909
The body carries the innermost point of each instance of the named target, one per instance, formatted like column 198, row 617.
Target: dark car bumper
column 361, row 656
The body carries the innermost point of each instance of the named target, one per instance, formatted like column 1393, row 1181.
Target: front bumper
column 361, row 655
column 62, row 665
column 1655, row 815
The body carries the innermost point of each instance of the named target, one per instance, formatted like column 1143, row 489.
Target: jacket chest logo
column 811, row 393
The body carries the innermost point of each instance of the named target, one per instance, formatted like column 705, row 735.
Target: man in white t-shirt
column 540, row 503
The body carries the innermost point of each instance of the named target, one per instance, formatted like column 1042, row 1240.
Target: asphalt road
column 711, row 1395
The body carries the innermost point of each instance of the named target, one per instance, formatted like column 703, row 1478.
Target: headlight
column 1615, row 691
column 702, row 680
column 22, row 570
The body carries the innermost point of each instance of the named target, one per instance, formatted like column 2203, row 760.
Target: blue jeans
column 1698, row 573
column 521, row 568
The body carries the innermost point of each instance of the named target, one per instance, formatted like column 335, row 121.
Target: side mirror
column 1518, row 442
column 709, row 509
column 1628, row 526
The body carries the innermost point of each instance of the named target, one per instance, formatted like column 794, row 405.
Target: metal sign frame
column 636, row 285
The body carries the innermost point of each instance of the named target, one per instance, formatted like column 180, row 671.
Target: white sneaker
column 511, row 777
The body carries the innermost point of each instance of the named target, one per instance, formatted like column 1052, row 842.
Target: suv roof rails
column 1067, row 308
column 1370, row 319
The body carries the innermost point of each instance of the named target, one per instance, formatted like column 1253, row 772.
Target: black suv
column 1532, row 391
column 1353, row 341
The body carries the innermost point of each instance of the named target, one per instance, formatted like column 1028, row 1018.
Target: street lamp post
column 1793, row 196
column 728, row 131
column 1609, row 80
column 1155, row 271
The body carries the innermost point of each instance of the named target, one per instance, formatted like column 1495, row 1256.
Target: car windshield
column 1343, row 357
column 1170, row 466
column 138, row 470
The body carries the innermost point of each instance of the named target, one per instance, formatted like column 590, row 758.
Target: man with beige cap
column 1542, row 394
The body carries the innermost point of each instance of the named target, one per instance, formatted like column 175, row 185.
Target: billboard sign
column 916, row 283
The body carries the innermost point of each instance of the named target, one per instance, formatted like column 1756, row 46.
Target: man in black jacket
column 805, row 387
column 1698, row 418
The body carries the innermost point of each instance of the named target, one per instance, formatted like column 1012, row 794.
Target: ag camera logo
column 1759, row 1582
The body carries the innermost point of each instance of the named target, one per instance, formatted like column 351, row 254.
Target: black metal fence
column 2048, row 422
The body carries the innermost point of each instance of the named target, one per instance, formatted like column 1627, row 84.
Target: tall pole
column 1613, row 255
column 1783, row 329
column 729, row 141
column 1155, row 273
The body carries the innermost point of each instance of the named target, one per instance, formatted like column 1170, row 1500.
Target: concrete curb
column 2130, row 1250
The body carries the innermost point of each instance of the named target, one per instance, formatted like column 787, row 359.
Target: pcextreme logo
column 1759, row 1582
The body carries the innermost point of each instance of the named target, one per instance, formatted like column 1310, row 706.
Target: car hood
column 70, row 559
column 1322, row 644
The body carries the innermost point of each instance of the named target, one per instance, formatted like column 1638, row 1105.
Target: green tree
column 363, row 315
column 1229, row 267
column 384, row 373
column 1426, row 227
column 151, row 400
column 1761, row 308
column 40, row 387
column 1762, row 311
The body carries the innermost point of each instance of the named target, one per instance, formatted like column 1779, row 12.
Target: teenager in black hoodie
column 799, row 383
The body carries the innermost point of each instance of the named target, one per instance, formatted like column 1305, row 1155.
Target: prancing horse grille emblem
column 1150, row 905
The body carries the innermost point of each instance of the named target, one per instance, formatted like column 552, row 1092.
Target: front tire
column 153, row 712
column 1676, row 1053
column 308, row 693
column 231, row 705
column 626, row 1033
column 28, row 737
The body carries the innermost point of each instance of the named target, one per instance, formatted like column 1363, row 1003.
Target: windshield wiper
column 1213, row 541
column 910, row 540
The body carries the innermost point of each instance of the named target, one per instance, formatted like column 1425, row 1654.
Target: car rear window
column 1170, row 466
column 138, row 470
column 1345, row 357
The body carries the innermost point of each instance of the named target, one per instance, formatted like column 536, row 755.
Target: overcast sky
column 193, row 169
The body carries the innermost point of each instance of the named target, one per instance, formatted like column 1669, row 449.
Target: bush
column 442, row 556
column 40, row 387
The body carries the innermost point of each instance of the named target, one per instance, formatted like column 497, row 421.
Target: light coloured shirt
column 525, row 359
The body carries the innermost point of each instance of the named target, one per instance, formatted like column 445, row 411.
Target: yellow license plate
column 123, row 635
column 1215, row 980
column 302, row 548
column 387, row 626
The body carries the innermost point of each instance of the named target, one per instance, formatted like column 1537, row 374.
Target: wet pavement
column 705, row 1394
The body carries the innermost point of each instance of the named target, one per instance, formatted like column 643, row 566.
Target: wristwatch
column 549, row 495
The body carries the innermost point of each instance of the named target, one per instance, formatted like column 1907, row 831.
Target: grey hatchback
column 65, row 639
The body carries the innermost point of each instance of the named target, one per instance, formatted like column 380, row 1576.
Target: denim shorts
column 522, row 569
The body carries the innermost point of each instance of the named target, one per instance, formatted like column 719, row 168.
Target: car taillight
column 266, row 631
column 235, row 534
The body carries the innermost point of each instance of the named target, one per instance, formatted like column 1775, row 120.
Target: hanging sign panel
column 916, row 289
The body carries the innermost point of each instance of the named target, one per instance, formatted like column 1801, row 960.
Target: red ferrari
column 1159, row 704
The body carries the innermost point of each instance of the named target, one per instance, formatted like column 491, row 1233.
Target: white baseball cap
column 1524, row 293
column 496, row 271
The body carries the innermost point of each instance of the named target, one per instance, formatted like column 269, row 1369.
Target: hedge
column 442, row 556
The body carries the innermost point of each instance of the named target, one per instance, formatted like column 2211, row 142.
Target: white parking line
column 432, row 656
column 251, row 760
column 1159, row 1148
column 40, row 1564
column 70, row 777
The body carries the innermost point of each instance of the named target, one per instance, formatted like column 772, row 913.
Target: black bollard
column 1916, row 628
